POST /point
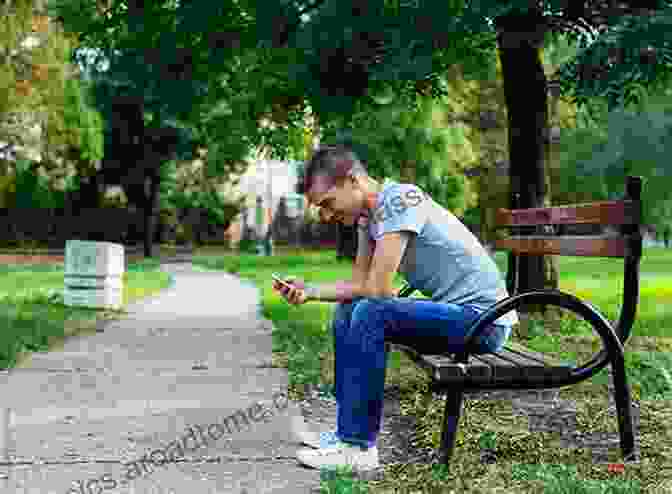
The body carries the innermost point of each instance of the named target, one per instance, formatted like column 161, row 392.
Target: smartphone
column 277, row 278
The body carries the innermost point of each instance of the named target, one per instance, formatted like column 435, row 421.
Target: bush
column 247, row 246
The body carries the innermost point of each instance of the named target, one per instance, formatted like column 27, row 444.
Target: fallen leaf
column 616, row 467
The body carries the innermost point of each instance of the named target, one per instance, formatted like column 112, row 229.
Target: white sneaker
column 311, row 438
column 338, row 455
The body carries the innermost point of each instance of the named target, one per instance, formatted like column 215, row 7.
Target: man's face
column 337, row 203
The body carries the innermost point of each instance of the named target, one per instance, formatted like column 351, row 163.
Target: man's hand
column 295, row 295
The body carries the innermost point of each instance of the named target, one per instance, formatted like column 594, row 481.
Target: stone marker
column 93, row 274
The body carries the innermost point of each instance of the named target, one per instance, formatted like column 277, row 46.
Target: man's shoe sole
column 299, row 430
column 310, row 463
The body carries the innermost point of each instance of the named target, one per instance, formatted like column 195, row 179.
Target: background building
column 270, row 180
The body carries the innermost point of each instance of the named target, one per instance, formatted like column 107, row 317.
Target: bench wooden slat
column 596, row 245
column 483, row 374
column 514, row 363
column 517, row 358
column 600, row 213
column 547, row 367
column 443, row 367
column 505, row 369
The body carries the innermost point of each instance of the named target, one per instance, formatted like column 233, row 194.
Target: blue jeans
column 363, row 326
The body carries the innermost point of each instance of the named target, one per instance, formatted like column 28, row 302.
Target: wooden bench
column 516, row 367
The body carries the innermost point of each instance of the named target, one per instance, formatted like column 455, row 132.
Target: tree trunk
column 150, row 212
column 91, row 193
column 525, row 90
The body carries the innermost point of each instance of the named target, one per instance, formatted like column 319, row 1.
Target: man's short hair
column 334, row 162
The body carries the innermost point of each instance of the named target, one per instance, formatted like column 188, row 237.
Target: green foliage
column 33, row 191
column 188, row 99
column 597, row 156
column 472, row 217
column 247, row 246
column 39, row 88
column 258, row 106
column 85, row 123
column 175, row 193
column 14, row 28
column 220, row 211
column 409, row 145
column 363, row 44
column 631, row 56
column 27, row 192
column 347, row 46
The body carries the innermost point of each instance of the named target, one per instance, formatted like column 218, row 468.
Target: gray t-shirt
column 443, row 259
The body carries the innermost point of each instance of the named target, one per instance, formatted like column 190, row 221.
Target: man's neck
column 373, row 189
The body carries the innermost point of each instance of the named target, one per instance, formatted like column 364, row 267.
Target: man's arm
column 347, row 289
column 380, row 270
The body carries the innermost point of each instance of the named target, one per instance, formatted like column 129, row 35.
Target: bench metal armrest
column 612, row 350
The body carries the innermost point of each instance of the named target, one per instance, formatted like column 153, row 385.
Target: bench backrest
column 626, row 242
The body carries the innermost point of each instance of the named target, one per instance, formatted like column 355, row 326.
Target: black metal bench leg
column 624, row 408
column 451, row 420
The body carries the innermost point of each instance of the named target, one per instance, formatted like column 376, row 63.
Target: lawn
column 34, row 318
column 527, row 462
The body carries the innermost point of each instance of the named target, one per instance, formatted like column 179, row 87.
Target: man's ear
column 341, row 181
column 354, row 179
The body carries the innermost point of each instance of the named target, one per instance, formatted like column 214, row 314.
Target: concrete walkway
column 183, row 382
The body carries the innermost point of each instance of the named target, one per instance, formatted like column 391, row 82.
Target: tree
column 41, row 89
column 515, row 31
column 187, row 185
column 147, row 125
column 136, row 143
column 410, row 145
column 225, row 92
column 474, row 112
column 601, row 153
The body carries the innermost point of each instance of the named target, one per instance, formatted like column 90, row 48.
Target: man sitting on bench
column 400, row 228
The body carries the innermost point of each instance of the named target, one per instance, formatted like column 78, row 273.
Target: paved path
column 184, row 377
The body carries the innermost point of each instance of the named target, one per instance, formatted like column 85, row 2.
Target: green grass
column 528, row 462
column 34, row 318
